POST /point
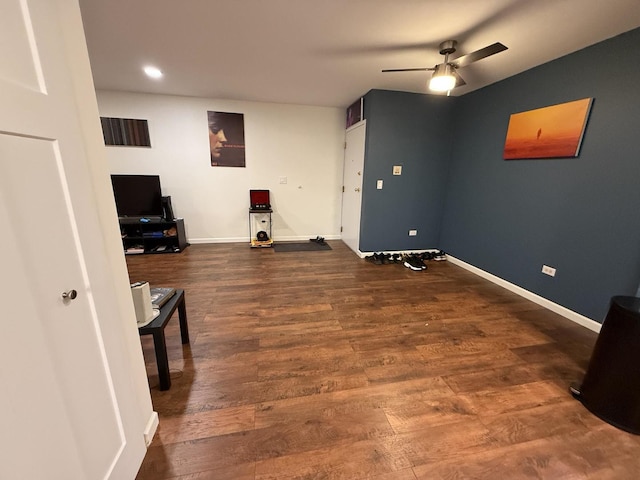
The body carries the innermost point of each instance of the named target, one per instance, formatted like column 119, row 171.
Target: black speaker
column 167, row 209
column 611, row 387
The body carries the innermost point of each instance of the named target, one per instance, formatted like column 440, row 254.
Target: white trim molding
column 548, row 304
column 398, row 252
column 150, row 429
column 290, row 238
column 196, row 241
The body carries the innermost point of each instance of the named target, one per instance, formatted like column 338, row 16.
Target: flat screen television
column 137, row 195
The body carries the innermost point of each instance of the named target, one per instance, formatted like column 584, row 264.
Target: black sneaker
column 412, row 266
column 427, row 256
column 418, row 262
column 440, row 256
column 414, row 263
column 376, row 258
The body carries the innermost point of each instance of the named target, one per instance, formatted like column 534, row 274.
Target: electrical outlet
column 549, row 270
column 283, row 180
column 413, row 233
column 379, row 184
column 397, row 169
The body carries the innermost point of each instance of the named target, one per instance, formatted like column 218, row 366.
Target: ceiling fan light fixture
column 442, row 79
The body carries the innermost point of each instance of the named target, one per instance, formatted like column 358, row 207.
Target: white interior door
column 59, row 414
column 352, row 183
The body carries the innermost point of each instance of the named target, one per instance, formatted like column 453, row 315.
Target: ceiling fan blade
column 478, row 55
column 407, row 69
column 459, row 80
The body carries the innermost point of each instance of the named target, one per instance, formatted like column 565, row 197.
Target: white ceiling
column 330, row 52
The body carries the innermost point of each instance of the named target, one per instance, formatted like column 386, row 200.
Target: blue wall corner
column 413, row 131
column 578, row 215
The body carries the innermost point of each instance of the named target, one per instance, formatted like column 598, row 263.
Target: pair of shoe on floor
column 437, row 256
column 384, row 258
column 319, row 240
column 414, row 262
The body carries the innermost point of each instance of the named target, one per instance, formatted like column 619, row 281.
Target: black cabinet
column 153, row 236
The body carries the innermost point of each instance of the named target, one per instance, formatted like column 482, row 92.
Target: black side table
column 156, row 328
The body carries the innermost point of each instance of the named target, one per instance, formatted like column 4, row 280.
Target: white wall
column 303, row 143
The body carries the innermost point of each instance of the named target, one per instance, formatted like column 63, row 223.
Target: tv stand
column 152, row 236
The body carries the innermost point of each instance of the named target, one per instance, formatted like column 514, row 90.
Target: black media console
column 152, row 235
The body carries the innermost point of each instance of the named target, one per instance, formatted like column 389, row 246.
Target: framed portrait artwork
column 550, row 132
column 226, row 139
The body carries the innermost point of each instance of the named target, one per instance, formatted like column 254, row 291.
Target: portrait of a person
column 226, row 139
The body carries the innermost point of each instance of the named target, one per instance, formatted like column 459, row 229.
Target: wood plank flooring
column 320, row 365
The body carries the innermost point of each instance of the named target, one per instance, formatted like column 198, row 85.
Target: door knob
column 70, row 295
column 356, row 189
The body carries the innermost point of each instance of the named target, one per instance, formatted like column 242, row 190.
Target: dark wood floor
column 320, row 365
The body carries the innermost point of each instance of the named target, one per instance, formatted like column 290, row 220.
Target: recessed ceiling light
column 153, row 72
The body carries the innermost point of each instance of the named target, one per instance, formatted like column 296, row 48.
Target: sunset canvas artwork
column 549, row 132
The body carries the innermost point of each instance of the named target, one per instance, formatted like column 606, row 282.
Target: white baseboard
column 548, row 304
column 291, row 238
column 393, row 252
column 195, row 241
column 303, row 238
column 150, row 429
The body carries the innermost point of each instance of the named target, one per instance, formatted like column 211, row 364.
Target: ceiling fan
column 445, row 77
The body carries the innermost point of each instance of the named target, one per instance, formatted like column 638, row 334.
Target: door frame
column 347, row 183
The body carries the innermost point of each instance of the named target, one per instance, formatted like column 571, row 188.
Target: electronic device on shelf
column 138, row 196
column 167, row 208
column 259, row 200
column 147, row 221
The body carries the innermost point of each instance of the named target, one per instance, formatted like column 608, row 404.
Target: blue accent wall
column 413, row 131
column 579, row 215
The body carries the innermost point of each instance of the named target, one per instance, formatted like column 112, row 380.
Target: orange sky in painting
column 562, row 120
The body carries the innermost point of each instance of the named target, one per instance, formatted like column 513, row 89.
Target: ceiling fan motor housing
column 448, row 47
